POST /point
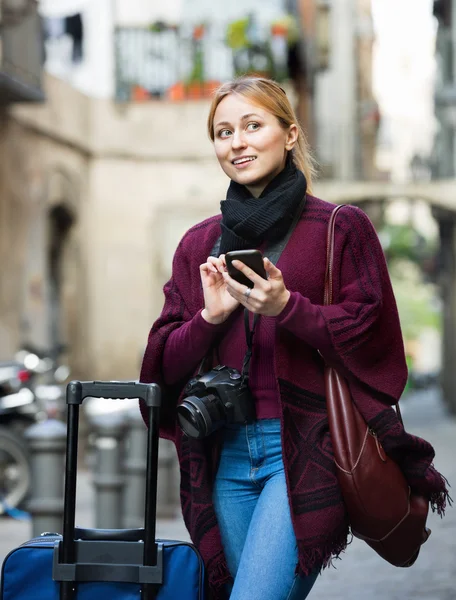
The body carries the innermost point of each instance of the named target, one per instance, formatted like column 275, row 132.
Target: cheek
column 279, row 148
column 273, row 146
column 220, row 151
column 221, row 154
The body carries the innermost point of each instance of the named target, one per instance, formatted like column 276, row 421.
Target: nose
column 238, row 140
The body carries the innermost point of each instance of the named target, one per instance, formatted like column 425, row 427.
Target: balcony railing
column 178, row 63
column 21, row 53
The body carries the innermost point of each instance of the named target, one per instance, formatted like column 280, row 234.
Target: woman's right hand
column 218, row 303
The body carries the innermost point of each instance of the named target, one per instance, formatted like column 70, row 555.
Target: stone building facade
column 90, row 220
column 336, row 97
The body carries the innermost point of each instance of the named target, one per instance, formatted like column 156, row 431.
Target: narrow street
column 361, row 574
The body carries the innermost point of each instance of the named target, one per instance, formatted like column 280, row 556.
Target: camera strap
column 273, row 252
column 249, row 333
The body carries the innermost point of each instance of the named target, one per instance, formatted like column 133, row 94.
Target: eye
column 253, row 126
column 223, row 133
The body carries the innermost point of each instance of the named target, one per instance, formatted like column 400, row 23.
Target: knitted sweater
column 188, row 345
column 360, row 334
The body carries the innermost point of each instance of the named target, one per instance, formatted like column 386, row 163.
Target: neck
column 257, row 189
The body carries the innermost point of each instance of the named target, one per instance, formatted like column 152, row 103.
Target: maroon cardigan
column 189, row 344
column 360, row 333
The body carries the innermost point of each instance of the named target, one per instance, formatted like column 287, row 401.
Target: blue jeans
column 253, row 512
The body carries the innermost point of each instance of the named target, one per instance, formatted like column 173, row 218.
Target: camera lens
column 198, row 417
column 191, row 420
column 193, row 417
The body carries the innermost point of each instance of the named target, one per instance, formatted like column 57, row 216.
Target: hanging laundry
column 74, row 28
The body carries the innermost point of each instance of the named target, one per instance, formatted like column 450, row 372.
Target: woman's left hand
column 268, row 296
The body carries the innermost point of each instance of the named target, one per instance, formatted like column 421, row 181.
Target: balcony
column 187, row 62
column 21, row 52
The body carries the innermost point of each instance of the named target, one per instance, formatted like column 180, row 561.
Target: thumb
column 272, row 270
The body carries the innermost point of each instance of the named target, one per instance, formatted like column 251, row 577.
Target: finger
column 222, row 263
column 215, row 264
column 272, row 270
column 248, row 272
column 234, row 286
column 243, row 298
column 206, row 277
column 244, row 295
column 208, row 270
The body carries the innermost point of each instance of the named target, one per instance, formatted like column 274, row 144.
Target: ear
column 292, row 137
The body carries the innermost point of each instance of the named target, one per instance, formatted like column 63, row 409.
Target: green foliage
column 197, row 73
column 417, row 301
column 289, row 24
column 408, row 253
column 404, row 242
column 236, row 34
column 256, row 55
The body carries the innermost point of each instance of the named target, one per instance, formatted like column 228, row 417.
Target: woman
column 261, row 500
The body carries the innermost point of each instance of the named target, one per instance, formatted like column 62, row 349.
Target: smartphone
column 252, row 258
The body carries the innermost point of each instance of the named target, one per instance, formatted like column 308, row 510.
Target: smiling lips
column 243, row 161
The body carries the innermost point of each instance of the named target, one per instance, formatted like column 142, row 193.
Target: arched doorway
column 65, row 285
column 60, row 222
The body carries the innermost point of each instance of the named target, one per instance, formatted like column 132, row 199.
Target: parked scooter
column 46, row 380
column 17, row 412
column 31, row 390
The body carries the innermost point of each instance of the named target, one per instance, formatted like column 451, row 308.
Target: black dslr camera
column 214, row 399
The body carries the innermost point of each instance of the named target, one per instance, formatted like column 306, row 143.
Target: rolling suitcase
column 116, row 564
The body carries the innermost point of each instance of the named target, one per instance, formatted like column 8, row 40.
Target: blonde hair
column 268, row 94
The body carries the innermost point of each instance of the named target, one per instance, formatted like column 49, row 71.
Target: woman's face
column 250, row 143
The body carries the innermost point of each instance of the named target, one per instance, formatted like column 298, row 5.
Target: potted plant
column 196, row 78
column 251, row 52
column 284, row 35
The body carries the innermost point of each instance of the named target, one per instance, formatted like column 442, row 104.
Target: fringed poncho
column 360, row 334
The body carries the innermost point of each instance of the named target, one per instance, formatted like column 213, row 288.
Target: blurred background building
column 105, row 161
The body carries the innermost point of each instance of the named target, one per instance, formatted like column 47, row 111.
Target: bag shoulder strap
column 328, row 297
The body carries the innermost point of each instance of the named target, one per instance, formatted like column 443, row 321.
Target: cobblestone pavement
column 361, row 574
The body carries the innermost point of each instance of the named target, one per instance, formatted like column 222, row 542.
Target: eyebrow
column 243, row 118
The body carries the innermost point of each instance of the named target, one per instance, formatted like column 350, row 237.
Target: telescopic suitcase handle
column 77, row 391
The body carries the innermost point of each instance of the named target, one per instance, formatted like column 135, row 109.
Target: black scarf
column 248, row 221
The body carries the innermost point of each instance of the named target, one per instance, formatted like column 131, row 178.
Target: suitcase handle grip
column 78, row 390
column 109, row 535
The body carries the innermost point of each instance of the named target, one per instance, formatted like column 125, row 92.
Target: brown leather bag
column 381, row 508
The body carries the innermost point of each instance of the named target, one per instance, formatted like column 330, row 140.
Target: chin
column 246, row 178
column 254, row 182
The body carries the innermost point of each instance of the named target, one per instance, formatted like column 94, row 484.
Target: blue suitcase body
column 93, row 564
column 27, row 575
